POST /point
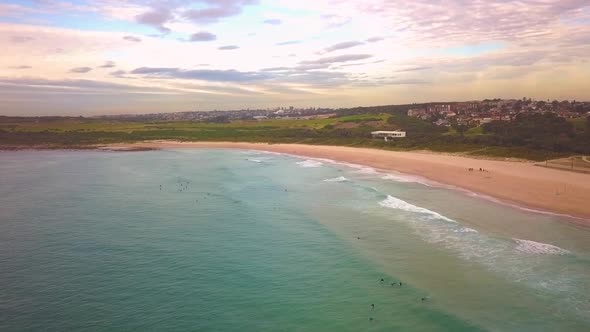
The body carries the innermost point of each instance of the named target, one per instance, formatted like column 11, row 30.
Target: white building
column 388, row 134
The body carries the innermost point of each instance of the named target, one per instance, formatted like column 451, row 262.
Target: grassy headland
column 533, row 137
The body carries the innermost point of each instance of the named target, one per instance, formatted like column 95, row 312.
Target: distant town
column 470, row 113
column 475, row 113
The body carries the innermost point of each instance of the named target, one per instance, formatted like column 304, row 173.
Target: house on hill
column 388, row 134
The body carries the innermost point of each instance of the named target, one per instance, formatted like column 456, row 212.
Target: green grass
column 75, row 132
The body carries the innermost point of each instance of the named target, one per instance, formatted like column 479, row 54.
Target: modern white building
column 388, row 134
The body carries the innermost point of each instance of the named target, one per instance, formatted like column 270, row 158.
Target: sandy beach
column 520, row 183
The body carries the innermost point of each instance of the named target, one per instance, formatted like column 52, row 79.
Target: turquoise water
column 250, row 241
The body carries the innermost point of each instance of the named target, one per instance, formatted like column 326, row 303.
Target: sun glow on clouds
column 148, row 56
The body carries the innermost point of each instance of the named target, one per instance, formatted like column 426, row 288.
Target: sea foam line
column 402, row 177
column 338, row 179
column 310, row 163
column 396, row 203
column 532, row 247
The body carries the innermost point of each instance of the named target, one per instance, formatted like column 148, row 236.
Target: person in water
column 372, row 306
column 400, row 283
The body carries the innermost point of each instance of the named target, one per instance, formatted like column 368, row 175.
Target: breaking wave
column 396, row 203
column 338, row 179
column 309, row 163
column 532, row 247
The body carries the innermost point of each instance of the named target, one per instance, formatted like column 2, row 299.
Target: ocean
column 236, row 240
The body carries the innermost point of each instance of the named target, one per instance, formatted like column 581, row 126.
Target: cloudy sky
column 89, row 57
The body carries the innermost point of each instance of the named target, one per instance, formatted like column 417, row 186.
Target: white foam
column 397, row 178
column 365, row 170
column 396, row 203
column 309, row 163
column 254, row 160
column 532, row 247
column 401, row 177
column 465, row 230
column 338, row 179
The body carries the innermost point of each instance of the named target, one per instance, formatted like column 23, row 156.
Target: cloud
column 336, row 21
column 75, row 86
column 343, row 45
column 108, row 64
column 201, row 74
column 415, row 68
column 374, row 39
column 21, row 39
column 10, row 9
column 132, row 39
column 202, row 36
column 228, row 47
column 407, row 81
column 20, row 67
column 118, row 73
column 460, row 21
column 272, row 21
column 360, row 63
column 156, row 17
column 312, row 66
column 336, row 59
column 217, row 10
column 288, row 42
column 271, row 69
column 80, row 70
column 277, row 75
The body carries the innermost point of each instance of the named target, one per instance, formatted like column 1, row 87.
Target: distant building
column 440, row 108
column 416, row 112
column 388, row 134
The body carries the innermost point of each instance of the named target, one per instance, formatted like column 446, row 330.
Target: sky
column 93, row 57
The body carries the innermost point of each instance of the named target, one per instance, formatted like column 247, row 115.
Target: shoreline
column 518, row 184
column 514, row 183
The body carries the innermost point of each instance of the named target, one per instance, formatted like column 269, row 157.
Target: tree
column 460, row 128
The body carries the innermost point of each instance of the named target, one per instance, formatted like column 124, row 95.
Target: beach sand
column 519, row 183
